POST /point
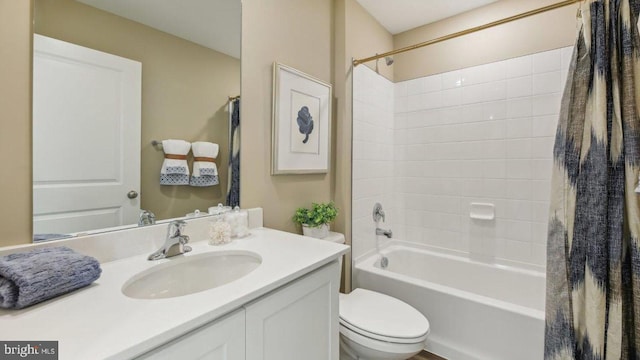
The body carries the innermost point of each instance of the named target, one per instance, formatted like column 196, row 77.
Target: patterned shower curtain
column 593, row 252
column 233, row 183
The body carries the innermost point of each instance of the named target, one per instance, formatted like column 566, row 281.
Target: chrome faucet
column 175, row 243
column 146, row 218
column 387, row 233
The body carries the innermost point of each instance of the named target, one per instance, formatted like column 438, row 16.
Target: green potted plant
column 315, row 221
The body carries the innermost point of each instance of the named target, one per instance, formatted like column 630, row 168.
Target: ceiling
column 215, row 24
column 401, row 15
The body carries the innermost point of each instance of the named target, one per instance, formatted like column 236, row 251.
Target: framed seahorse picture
column 301, row 123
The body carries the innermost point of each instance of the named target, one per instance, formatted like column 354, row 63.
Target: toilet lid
column 382, row 315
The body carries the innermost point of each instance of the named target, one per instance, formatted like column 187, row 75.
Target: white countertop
column 99, row 322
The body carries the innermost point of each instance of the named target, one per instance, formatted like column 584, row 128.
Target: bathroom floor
column 427, row 356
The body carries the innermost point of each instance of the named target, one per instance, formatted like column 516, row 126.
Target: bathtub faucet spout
column 387, row 233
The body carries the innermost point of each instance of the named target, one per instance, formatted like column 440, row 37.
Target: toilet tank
column 339, row 239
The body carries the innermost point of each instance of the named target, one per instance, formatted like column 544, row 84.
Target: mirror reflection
column 131, row 72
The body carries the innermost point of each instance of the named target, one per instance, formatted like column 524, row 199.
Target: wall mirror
column 188, row 56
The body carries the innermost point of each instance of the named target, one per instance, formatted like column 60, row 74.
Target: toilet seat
column 355, row 333
column 381, row 317
column 371, row 348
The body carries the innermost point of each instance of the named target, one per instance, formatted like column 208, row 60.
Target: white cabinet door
column 298, row 321
column 224, row 339
column 86, row 137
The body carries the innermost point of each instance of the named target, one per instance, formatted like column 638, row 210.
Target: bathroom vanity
column 294, row 321
column 286, row 308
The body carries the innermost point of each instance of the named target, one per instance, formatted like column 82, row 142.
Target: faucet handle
column 183, row 239
column 176, row 227
column 146, row 218
column 378, row 213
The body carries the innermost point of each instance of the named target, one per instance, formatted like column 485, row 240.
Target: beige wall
column 366, row 37
column 550, row 30
column 265, row 41
column 297, row 33
column 337, row 31
column 185, row 88
column 15, row 121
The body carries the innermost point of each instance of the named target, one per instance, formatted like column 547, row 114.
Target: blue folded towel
column 45, row 237
column 31, row 277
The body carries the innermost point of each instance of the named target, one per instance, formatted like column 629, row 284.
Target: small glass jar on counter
column 219, row 228
column 239, row 222
column 219, row 210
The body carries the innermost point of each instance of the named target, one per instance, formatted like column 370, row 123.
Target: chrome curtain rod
column 523, row 15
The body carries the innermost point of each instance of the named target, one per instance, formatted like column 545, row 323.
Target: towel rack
column 156, row 143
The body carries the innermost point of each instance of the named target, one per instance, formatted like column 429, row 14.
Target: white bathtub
column 476, row 310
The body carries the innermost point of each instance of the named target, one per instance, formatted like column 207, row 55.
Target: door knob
column 132, row 194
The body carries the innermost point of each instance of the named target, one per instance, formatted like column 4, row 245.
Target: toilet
column 378, row 326
column 375, row 326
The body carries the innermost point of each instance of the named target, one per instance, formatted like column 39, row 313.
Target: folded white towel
column 175, row 171
column 205, row 170
column 205, row 150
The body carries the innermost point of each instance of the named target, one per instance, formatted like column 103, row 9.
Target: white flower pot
column 319, row 232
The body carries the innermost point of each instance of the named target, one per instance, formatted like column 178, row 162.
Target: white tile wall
column 426, row 148
column 374, row 136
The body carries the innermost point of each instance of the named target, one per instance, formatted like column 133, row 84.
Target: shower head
column 387, row 59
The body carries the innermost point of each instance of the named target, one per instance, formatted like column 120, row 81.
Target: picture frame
column 301, row 123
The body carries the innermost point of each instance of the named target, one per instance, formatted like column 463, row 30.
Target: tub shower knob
column 378, row 213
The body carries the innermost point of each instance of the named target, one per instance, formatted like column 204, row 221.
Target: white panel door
column 220, row 340
column 299, row 321
column 86, row 138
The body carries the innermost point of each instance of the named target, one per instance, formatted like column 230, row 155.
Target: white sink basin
column 191, row 274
